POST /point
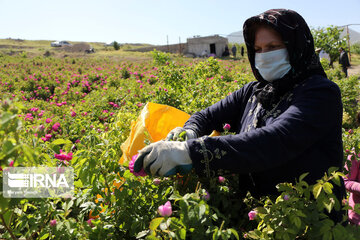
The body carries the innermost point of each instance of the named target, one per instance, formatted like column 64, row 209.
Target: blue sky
column 153, row 21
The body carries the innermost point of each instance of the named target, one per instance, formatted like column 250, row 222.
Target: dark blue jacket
column 302, row 133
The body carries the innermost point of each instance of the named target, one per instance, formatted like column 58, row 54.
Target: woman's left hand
column 164, row 158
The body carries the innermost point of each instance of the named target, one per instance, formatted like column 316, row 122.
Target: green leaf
column 6, row 117
column 339, row 232
column 3, row 203
column 253, row 235
column 327, row 235
column 300, row 214
column 155, row 223
column 45, row 236
column 142, row 234
column 336, row 179
column 329, row 205
column 328, row 187
column 317, row 190
column 202, row 210
column 182, row 233
column 302, row 176
column 215, row 234
column 234, row 232
column 60, row 141
column 78, row 184
column 297, row 222
column 28, row 153
column 331, row 170
column 151, row 238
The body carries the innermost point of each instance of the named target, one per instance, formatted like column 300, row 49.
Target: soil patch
column 354, row 70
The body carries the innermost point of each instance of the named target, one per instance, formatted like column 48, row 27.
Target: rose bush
column 77, row 112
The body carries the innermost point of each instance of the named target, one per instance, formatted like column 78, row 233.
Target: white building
column 212, row 44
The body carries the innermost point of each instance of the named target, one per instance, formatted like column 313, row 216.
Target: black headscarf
column 300, row 45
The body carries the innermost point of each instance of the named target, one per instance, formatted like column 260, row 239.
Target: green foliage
column 116, row 45
column 111, row 203
column 160, row 58
column 329, row 40
column 355, row 48
column 325, row 64
column 349, row 96
column 301, row 211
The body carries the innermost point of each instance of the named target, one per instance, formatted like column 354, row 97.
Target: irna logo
column 38, row 182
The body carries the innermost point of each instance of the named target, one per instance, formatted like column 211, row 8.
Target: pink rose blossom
column 206, row 196
column 56, row 127
column 227, row 126
column 63, row 156
column 252, row 215
column 157, row 181
column 48, row 120
column 221, row 179
column 11, row 164
column 90, row 222
column 47, row 137
column 142, row 172
column 53, row 222
column 73, row 114
column 165, row 210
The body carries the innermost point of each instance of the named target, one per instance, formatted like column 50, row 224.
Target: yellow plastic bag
column 154, row 121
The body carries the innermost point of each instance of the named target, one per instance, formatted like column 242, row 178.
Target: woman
column 288, row 122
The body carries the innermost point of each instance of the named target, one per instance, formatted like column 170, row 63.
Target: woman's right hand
column 176, row 134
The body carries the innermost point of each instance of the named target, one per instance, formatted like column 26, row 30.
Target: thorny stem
column 222, row 224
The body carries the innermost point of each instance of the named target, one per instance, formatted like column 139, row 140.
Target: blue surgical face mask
column 273, row 65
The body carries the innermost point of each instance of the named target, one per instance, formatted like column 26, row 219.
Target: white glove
column 174, row 134
column 164, row 158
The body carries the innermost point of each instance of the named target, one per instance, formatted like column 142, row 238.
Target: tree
column 116, row 45
column 329, row 40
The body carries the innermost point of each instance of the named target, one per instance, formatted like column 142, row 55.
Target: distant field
column 34, row 48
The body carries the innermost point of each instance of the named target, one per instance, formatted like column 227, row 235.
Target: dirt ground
column 354, row 70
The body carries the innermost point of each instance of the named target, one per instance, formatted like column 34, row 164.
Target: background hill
column 237, row 37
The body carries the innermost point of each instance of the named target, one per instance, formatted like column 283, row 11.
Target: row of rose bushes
column 77, row 112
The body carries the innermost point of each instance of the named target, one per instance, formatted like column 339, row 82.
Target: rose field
column 77, row 112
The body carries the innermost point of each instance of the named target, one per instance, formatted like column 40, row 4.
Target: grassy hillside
column 34, row 48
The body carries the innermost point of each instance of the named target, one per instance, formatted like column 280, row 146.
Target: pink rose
column 206, row 196
column 142, row 172
column 252, row 215
column 63, row 155
column 157, row 181
column 165, row 210
column 11, row 164
column 73, row 114
column 227, row 126
column 53, row 222
column 56, row 127
column 90, row 222
column 221, row 179
column 48, row 120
